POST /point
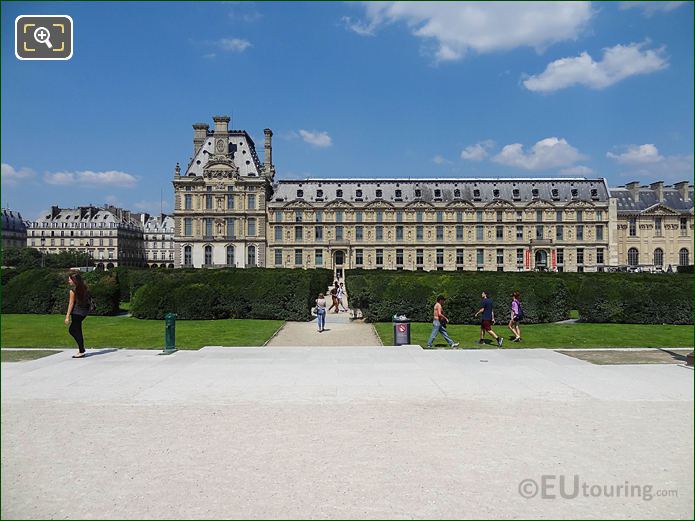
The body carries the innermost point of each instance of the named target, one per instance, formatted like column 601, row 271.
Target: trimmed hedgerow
column 380, row 294
column 286, row 294
column 45, row 290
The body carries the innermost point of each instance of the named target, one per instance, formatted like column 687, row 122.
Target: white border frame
column 72, row 36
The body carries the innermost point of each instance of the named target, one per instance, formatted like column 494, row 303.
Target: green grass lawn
column 100, row 332
column 21, row 356
column 557, row 335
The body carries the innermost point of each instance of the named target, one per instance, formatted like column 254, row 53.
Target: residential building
column 14, row 229
column 159, row 241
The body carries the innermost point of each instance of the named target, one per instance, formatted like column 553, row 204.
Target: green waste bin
column 169, row 332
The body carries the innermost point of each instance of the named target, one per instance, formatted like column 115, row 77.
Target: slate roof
column 12, row 221
column 672, row 198
column 242, row 148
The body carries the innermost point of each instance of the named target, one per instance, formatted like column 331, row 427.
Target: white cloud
column 233, row 44
column 650, row 8
column 440, row 160
column 11, row 176
column 618, row 63
column 459, row 27
column 637, row 155
column 477, row 152
column 577, row 170
column 88, row 177
column 547, row 154
column 318, row 139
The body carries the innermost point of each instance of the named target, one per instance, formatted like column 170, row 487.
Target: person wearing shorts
column 487, row 319
column 516, row 316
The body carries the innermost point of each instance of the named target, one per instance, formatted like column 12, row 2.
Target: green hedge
column 633, row 298
column 381, row 294
column 286, row 294
column 45, row 290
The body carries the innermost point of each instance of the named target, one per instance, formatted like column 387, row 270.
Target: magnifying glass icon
column 43, row 35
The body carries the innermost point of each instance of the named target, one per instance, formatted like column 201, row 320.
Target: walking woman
column 321, row 312
column 516, row 316
column 78, row 309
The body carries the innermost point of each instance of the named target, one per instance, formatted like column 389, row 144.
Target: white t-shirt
column 321, row 303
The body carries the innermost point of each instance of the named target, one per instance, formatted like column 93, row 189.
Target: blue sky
column 350, row 90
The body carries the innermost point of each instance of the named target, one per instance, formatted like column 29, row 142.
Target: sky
column 383, row 89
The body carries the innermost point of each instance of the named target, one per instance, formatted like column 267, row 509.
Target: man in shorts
column 488, row 318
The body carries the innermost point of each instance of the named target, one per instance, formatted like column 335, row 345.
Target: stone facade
column 14, row 230
column 654, row 225
column 112, row 236
column 159, row 241
column 220, row 200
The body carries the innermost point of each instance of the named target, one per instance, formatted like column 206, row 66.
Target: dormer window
column 358, row 194
column 319, row 193
column 379, row 193
column 534, row 193
column 300, row 193
column 339, row 194
column 555, row 194
column 594, row 193
column 437, row 194
column 476, row 195
column 575, row 193
column 496, row 193
column 418, row 192
column 399, row 194
column 516, row 195
column 457, row 193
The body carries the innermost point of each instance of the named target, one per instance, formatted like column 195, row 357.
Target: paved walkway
column 340, row 433
column 340, row 331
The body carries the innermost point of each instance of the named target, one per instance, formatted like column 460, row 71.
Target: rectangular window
column 599, row 215
column 419, row 257
column 298, row 216
column 251, row 226
column 459, row 216
column 632, row 226
column 230, row 203
column 684, row 225
column 440, row 233
column 399, row 233
column 480, row 256
column 419, row 216
column 580, row 255
column 459, row 256
column 318, row 257
column 560, row 256
column 379, row 233
column 580, row 232
column 358, row 217
column 479, row 216
column 358, row 233
column 230, row 227
column 399, row 216
column 188, row 201
column 499, row 232
column 440, row 216
column 319, row 216
column 298, row 233
column 359, row 258
column 278, row 233
column 418, row 233
column 278, row 216
column 559, row 232
column 399, row 258
column 440, row 256
column 208, row 227
column 579, row 216
column 479, row 232
column 297, row 257
column 519, row 233
column 379, row 257
column 539, row 216
column 252, row 202
column 519, row 216
column 459, row 233
column 339, row 216
column 539, row 231
column 318, row 233
column 278, row 257
column 500, row 256
column 558, row 216
column 657, row 226
column 519, row 256
column 208, row 201
column 599, row 232
column 499, row 216
column 339, row 233
column 379, row 216
column 599, row 256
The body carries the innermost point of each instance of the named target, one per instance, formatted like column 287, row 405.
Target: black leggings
column 76, row 330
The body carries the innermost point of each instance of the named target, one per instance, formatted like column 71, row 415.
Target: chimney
column 658, row 187
column 633, row 188
column 221, row 124
column 268, row 150
column 200, row 132
column 684, row 189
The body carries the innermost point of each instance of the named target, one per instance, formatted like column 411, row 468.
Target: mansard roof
column 241, row 148
column 403, row 192
column 647, row 199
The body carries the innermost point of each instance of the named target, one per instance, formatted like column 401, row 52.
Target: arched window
column 683, row 257
column 230, row 255
column 658, row 257
column 251, row 260
column 208, row 255
column 633, row 257
column 187, row 256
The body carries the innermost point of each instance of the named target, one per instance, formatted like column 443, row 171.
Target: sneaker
column 454, row 345
column 429, row 346
column 481, row 341
column 516, row 339
column 499, row 341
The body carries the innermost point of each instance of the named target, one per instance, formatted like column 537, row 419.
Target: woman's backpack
column 520, row 314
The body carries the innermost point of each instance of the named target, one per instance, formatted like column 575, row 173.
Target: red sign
column 527, row 258
column 401, row 328
column 553, row 258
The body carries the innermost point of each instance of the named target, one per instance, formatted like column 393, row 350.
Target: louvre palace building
column 231, row 211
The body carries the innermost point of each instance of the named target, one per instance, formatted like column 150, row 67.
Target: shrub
column 686, row 269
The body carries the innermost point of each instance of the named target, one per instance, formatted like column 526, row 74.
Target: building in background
column 219, row 201
column 14, row 229
column 159, row 241
column 112, row 236
column 440, row 224
column 654, row 225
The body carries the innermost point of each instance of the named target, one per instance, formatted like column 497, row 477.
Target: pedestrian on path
column 488, row 318
column 321, row 312
column 78, row 308
column 517, row 316
column 439, row 322
column 342, row 297
column 334, row 297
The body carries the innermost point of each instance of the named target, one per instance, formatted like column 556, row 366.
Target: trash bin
column 170, row 332
column 401, row 330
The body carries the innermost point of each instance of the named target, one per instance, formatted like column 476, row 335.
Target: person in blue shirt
column 488, row 318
